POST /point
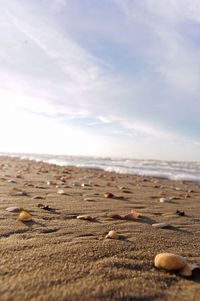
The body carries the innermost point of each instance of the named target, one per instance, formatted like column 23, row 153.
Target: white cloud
column 49, row 68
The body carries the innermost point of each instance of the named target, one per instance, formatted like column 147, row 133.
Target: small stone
column 182, row 213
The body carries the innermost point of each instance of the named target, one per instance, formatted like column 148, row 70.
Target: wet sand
column 59, row 257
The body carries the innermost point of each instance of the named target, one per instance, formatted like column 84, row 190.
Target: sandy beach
column 56, row 256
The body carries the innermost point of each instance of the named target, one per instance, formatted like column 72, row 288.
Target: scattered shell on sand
column 85, row 217
column 170, row 262
column 85, row 185
column 130, row 216
column 89, row 200
column 11, row 181
column 161, row 225
column 162, row 193
column 38, row 197
column 108, row 195
column 187, row 196
column 45, row 207
column 112, row 234
column 164, row 200
column 14, row 209
column 21, row 193
column 24, row 216
column 61, row 186
column 175, row 197
column 18, row 175
column 117, row 216
column 61, row 192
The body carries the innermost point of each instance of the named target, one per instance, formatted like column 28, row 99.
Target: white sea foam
column 176, row 170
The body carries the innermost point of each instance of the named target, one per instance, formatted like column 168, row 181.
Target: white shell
column 61, row 192
column 12, row 181
column 161, row 225
column 164, row 200
column 112, row 234
column 13, row 209
column 84, row 217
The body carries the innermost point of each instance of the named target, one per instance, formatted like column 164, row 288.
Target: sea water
column 176, row 170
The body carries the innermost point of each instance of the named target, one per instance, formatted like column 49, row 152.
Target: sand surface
column 59, row 257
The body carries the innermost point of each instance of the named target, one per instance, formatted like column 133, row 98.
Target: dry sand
column 58, row 257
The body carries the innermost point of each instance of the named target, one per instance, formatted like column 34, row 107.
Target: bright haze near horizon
column 114, row 78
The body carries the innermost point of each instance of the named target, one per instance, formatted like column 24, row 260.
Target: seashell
column 18, row 175
column 40, row 187
column 85, row 217
column 126, row 191
column 161, row 225
column 14, row 209
column 117, row 216
column 89, row 200
column 12, row 181
column 55, row 183
column 164, row 200
column 24, row 216
column 169, row 261
column 156, row 186
column 112, row 234
column 85, row 185
column 38, row 197
column 45, row 207
column 21, row 193
column 121, row 187
column 61, row 186
column 162, row 193
column 61, row 192
column 176, row 197
column 131, row 216
column 187, row 196
column 108, row 195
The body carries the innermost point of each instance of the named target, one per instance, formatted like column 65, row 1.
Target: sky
column 118, row 78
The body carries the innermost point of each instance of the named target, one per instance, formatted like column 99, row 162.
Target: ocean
column 174, row 170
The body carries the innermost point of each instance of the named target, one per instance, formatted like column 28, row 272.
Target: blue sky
column 105, row 78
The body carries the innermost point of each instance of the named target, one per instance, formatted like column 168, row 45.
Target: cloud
column 125, row 67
